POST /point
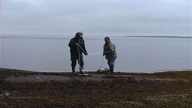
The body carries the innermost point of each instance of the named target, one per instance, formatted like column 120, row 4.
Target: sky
column 97, row 17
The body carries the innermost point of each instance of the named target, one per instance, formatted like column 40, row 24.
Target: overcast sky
column 96, row 17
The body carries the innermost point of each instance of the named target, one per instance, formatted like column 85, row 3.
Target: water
column 135, row 54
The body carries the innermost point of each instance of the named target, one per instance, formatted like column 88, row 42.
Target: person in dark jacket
column 77, row 47
column 109, row 51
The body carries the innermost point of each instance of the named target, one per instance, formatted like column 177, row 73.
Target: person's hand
column 86, row 54
column 103, row 53
column 77, row 44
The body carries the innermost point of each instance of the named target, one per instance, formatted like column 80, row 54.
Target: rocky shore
column 26, row 89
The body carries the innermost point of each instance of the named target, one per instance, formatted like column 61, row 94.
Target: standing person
column 110, row 53
column 77, row 47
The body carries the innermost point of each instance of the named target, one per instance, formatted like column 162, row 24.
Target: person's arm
column 85, row 51
column 104, row 50
column 111, row 49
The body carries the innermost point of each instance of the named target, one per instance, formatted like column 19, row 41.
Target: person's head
column 107, row 40
column 79, row 35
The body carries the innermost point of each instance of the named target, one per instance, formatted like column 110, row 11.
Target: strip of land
column 27, row 89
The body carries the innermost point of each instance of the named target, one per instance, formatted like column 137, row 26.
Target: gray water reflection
column 134, row 54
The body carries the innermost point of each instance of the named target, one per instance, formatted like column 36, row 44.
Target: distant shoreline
column 188, row 37
column 68, row 37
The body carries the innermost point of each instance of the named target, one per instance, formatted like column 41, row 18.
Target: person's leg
column 73, row 62
column 111, row 64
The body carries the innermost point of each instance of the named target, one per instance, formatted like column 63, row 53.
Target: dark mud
column 24, row 89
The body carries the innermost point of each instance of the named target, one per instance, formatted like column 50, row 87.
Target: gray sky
column 96, row 17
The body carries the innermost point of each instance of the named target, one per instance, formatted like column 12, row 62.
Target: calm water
column 135, row 54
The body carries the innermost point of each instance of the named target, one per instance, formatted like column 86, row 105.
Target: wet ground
column 25, row 89
column 48, row 78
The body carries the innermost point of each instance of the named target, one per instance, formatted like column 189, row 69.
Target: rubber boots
column 111, row 70
column 73, row 70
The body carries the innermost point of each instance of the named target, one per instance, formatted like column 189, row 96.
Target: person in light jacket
column 109, row 51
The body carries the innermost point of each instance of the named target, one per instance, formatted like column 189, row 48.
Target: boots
column 73, row 70
column 111, row 70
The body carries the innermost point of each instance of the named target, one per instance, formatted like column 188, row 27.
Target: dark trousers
column 74, row 59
